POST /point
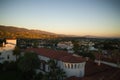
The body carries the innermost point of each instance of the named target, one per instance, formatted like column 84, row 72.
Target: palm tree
column 99, row 55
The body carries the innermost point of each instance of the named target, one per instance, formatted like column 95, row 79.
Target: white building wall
column 65, row 45
column 13, row 41
column 46, row 60
column 5, row 54
column 7, row 51
column 77, row 70
column 43, row 58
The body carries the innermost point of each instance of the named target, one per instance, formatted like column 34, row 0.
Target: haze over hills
column 15, row 32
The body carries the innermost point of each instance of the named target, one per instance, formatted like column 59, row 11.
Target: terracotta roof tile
column 56, row 54
column 72, row 59
column 103, row 72
column 95, row 72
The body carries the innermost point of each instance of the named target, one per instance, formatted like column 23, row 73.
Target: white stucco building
column 7, row 51
column 73, row 65
column 65, row 45
column 91, row 48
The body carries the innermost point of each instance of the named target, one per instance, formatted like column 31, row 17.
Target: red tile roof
column 72, row 59
column 103, row 58
column 57, row 54
column 95, row 72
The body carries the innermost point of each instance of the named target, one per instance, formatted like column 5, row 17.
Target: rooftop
column 95, row 72
column 58, row 55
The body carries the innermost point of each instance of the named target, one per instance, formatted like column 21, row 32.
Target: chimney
column 99, row 63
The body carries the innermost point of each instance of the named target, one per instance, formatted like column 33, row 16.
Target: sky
column 70, row 17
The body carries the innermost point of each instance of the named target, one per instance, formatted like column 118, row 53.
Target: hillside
column 14, row 32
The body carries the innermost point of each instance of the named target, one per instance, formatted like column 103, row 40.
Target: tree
column 90, row 55
column 5, row 65
column 76, row 46
column 16, row 52
column 116, row 55
column 60, row 74
column 28, row 64
column 55, row 72
column 46, row 76
column 87, row 54
column 52, row 65
column 29, row 61
column 39, row 76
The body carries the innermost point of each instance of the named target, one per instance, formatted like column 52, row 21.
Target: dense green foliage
column 28, row 62
column 55, row 72
column 16, row 52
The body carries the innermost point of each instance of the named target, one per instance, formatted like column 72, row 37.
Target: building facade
column 6, row 51
column 73, row 65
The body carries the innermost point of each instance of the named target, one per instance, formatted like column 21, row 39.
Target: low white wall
column 108, row 63
column 74, row 69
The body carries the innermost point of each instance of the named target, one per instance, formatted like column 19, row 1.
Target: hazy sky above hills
column 72, row 17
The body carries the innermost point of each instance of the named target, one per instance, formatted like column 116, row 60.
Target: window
column 40, row 65
column 71, row 66
column 68, row 65
column 48, row 68
column 8, row 57
column 65, row 66
column 75, row 66
column 43, row 67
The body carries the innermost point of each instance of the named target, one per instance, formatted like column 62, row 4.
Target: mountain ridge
column 16, row 32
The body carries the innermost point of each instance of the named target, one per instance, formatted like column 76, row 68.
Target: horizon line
column 71, row 35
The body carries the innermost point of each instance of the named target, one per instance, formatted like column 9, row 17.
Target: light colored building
column 73, row 65
column 91, row 48
column 65, row 45
column 7, row 51
column 11, row 43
